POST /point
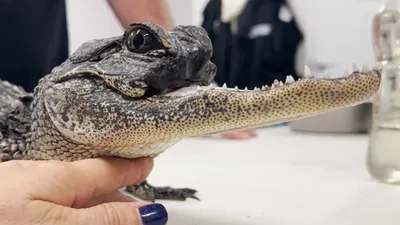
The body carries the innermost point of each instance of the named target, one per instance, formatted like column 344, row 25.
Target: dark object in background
column 245, row 60
column 34, row 39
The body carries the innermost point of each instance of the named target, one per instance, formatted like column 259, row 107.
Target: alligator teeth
column 289, row 79
column 236, row 88
column 355, row 68
column 365, row 68
column 307, row 71
column 245, row 89
column 256, row 89
column 224, row 86
column 280, row 83
column 276, row 83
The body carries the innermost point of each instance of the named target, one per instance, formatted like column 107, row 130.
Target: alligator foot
column 147, row 192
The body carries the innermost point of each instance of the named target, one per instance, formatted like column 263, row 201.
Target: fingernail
column 153, row 214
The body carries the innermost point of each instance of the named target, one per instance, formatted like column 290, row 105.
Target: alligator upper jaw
column 195, row 88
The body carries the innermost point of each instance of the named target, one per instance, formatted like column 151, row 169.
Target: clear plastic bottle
column 383, row 158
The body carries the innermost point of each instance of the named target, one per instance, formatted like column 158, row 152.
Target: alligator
column 137, row 94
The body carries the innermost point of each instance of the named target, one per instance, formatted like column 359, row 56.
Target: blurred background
column 337, row 33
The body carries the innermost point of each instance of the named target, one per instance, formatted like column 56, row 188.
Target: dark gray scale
column 15, row 120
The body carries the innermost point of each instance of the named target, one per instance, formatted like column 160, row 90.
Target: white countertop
column 280, row 178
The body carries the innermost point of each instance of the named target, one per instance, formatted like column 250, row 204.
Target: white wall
column 90, row 19
column 338, row 32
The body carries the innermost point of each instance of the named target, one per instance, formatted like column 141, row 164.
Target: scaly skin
column 130, row 98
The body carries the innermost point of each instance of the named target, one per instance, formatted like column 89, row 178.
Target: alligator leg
column 148, row 192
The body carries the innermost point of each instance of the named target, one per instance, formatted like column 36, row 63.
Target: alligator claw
column 147, row 192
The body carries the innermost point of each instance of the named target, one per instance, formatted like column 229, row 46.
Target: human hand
column 81, row 193
column 243, row 134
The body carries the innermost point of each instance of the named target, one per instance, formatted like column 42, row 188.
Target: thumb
column 115, row 213
column 123, row 213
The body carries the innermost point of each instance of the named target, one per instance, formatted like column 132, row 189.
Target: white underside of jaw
column 144, row 150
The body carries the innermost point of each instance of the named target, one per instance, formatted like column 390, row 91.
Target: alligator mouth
column 193, row 89
column 188, row 90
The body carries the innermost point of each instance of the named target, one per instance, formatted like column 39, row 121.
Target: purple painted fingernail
column 153, row 214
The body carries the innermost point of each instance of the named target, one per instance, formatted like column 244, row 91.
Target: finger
column 237, row 135
column 123, row 214
column 115, row 196
column 80, row 181
column 252, row 133
column 16, row 165
column 113, row 173
column 116, row 213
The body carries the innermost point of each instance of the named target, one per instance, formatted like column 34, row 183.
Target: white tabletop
column 280, row 178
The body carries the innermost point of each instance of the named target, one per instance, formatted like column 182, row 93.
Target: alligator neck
column 15, row 131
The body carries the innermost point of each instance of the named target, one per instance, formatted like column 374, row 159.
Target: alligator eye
column 140, row 40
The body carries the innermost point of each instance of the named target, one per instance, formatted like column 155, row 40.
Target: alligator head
column 136, row 94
